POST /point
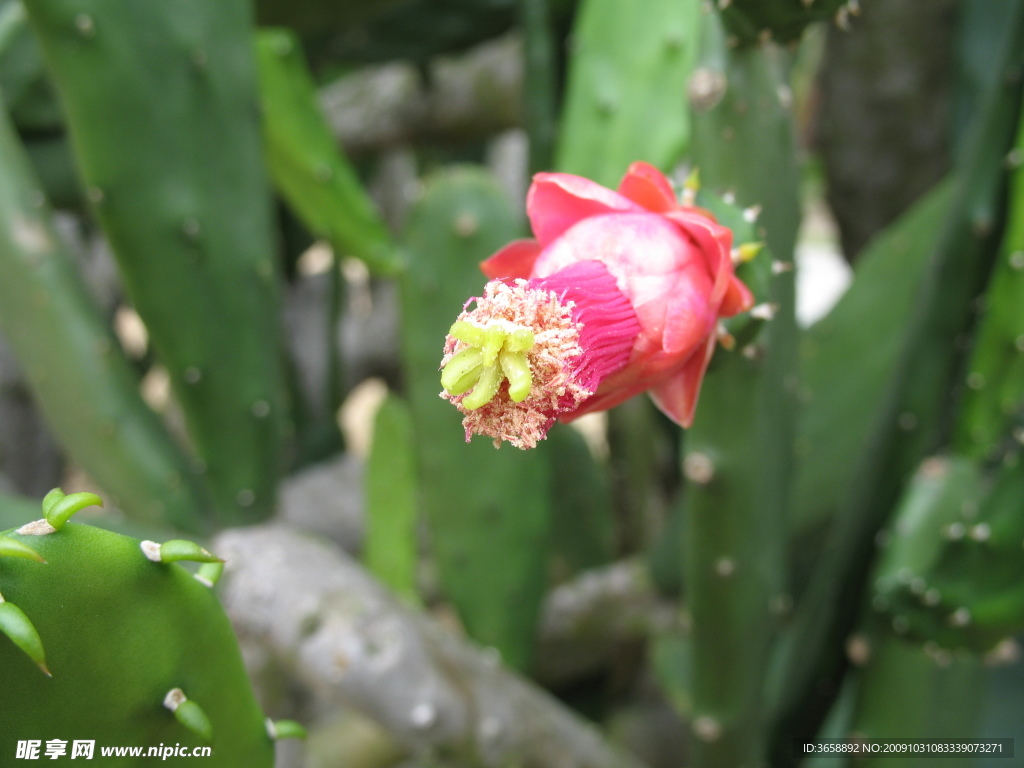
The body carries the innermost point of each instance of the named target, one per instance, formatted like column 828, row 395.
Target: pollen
column 511, row 363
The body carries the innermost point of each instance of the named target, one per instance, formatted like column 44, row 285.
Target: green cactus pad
column 120, row 631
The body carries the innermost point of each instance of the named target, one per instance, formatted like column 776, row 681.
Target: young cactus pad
column 120, row 631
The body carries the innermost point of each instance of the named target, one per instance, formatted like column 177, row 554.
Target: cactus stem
column 189, row 714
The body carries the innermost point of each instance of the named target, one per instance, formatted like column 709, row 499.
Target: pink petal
column 647, row 186
column 556, row 201
column 654, row 263
column 677, row 397
column 514, row 260
column 738, row 298
column 715, row 242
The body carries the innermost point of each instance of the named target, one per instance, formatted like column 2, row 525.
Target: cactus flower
column 619, row 293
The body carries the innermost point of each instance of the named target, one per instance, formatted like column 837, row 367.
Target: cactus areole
column 100, row 643
column 619, row 293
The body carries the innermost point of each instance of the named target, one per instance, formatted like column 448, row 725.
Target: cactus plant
column 180, row 190
column 110, row 640
column 55, row 327
column 488, row 511
column 627, row 58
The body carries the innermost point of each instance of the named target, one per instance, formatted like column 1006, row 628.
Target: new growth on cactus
column 133, row 648
column 620, row 293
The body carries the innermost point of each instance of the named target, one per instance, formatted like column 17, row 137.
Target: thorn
column 764, row 311
column 36, row 528
column 245, row 497
column 209, row 573
column 698, row 468
column 726, row 339
column 900, row 625
column 285, row 729
column 423, row 715
column 189, row 714
column 85, row 25
column 691, row 187
column 729, row 197
column 981, row 532
column 858, row 649
column 707, row 729
column 723, row 4
column 176, row 550
column 843, row 19
column 725, row 567
column 1017, row 260
column 781, row 267
column 746, row 252
column 1014, row 158
column 22, row 632
column 62, row 509
column 961, row 617
column 751, row 214
column 13, row 548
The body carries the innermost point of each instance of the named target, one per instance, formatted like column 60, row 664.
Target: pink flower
column 634, row 282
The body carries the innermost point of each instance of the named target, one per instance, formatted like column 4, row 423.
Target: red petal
column 677, row 397
column 556, row 201
column 647, row 186
column 738, row 298
column 514, row 260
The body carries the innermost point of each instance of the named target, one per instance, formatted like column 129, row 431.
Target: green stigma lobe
column 517, row 371
column 462, row 371
column 496, row 352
